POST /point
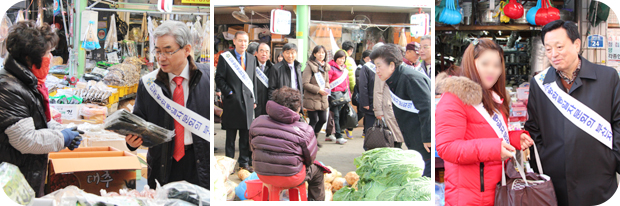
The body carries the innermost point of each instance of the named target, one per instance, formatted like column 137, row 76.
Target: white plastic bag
column 111, row 41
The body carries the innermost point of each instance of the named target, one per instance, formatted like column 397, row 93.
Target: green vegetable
column 14, row 184
column 343, row 194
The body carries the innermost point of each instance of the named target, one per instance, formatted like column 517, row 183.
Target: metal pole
column 146, row 11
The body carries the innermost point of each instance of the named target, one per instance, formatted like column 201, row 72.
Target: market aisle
column 340, row 157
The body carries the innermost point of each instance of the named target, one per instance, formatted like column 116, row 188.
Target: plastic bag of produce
column 94, row 112
column 188, row 192
column 389, row 166
column 14, row 184
column 124, row 123
column 90, row 39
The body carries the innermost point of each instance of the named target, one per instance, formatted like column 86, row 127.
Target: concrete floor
column 340, row 157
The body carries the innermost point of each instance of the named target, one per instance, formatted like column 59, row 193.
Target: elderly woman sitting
column 284, row 148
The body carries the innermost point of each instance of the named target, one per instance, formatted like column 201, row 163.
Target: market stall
column 518, row 32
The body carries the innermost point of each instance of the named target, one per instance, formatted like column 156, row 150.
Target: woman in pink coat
column 472, row 149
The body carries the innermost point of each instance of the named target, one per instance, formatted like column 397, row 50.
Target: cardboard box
column 277, row 37
column 322, row 30
column 255, row 31
column 234, row 29
column 92, row 169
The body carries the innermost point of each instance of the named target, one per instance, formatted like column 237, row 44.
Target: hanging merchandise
column 513, row 9
column 111, row 41
column 196, row 32
column 546, row 14
column 123, row 28
column 502, row 17
column 420, row 24
column 358, row 35
column 4, row 33
column 402, row 42
column 597, row 13
column 164, row 5
column 450, row 14
column 89, row 39
column 531, row 14
column 56, row 7
column 20, row 16
column 151, row 28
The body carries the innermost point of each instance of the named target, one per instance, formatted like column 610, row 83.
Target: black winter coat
column 159, row 158
column 238, row 107
column 409, row 84
column 262, row 91
column 19, row 99
column 582, row 169
column 280, row 76
column 366, row 86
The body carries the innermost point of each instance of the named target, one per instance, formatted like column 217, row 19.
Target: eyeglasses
column 164, row 54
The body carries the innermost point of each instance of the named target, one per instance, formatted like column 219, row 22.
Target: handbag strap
column 519, row 168
column 538, row 163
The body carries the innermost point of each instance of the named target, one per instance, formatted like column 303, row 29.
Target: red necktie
column 179, row 130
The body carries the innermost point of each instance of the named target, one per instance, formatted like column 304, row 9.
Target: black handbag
column 348, row 117
column 378, row 136
column 338, row 98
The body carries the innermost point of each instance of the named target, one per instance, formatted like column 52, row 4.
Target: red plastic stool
column 272, row 193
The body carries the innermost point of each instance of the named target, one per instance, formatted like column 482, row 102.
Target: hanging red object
column 546, row 14
column 513, row 10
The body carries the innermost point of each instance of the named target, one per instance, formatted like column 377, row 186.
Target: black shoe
column 248, row 168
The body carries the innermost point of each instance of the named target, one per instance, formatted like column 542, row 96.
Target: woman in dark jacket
column 284, row 148
column 315, row 95
column 25, row 139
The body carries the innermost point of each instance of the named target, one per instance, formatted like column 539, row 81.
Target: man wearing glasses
column 425, row 55
column 187, row 84
column 235, row 77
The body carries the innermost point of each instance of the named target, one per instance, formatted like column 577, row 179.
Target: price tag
column 596, row 41
column 112, row 57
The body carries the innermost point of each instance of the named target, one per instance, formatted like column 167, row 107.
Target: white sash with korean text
column 319, row 79
column 236, row 67
column 406, row 105
column 345, row 73
column 496, row 121
column 195, row 123
column 371, row 66
column 262, row 77
column 578, row 113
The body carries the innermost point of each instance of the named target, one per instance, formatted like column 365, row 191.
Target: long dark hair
column 469, row 70
column 317, row 49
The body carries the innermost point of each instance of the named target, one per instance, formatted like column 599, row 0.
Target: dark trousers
column 316, row 187
column 427, row 168
column 244, row 146
column 317, row 120
column 185, row 169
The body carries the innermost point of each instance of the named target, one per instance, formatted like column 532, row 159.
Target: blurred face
column 263, row 53
column 320, row 56
column 241, row 43
column 280, row 58
column 384, row 70
column 290, row 55
column 489, row 66
column 562, row 53
column 367, row 59
column 350, row 52
column 425, row 50
column 171, row 58
column 411, row 56
column 340, row 61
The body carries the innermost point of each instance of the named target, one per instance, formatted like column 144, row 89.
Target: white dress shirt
column 185, row 83
column 293, row 76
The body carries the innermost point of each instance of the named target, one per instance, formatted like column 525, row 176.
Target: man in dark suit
column 287, row 72
column 235, row 77
column 261, row 86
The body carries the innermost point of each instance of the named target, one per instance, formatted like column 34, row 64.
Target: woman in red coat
column 473, row 149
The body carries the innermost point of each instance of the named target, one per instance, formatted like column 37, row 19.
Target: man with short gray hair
column 185, row 83
column 426, row 55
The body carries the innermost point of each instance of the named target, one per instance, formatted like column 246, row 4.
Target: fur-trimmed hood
column 464, row 88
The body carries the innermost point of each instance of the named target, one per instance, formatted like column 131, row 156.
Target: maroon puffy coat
column 280, row 143
column 468, row 144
